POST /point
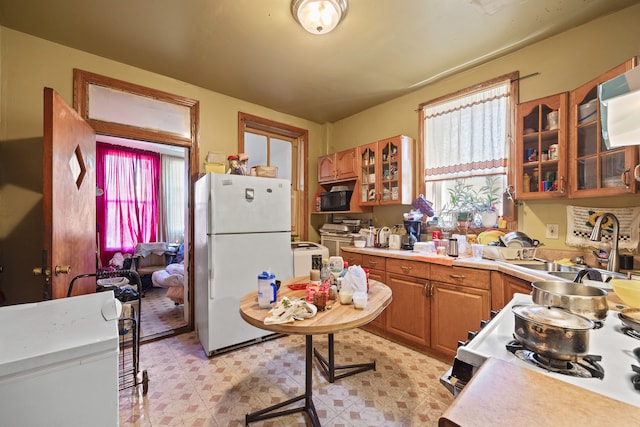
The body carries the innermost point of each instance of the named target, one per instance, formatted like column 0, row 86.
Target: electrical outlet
column 552, row 231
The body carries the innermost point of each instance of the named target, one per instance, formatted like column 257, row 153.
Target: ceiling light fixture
column 319, row 16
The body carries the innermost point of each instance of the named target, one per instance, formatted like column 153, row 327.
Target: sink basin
column 567, row 275
column 549, row 266
column 606, row 275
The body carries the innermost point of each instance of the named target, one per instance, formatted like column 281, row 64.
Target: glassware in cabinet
column 541, row 166
column 594, row 169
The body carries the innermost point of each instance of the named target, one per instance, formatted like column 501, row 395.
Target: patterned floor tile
column 187, row 388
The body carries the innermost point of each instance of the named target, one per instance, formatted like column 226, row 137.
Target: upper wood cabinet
column 385, row 171
column 595, row 170
column 340, row 166
column 541, row 148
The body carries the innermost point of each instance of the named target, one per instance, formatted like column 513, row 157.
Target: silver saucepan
column 587, row 301
column 552, row 332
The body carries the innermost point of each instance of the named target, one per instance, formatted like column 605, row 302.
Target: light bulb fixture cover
column 319, row 16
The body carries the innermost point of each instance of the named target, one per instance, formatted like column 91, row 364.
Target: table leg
column 308, row 407
column 329, row 367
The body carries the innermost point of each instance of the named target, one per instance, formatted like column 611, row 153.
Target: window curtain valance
column 467, row 136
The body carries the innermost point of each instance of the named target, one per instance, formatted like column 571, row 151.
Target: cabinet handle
column 373, row 263
column 406, row 268
column 431, row 290
column 561, row 186
column 456, row 276
column 625, row 177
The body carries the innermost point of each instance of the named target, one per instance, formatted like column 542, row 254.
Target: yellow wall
column 27, row 65
column 563, row 62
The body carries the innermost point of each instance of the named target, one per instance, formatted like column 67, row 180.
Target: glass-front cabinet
column 594, row 169
column 541, row 148
column 386, row 171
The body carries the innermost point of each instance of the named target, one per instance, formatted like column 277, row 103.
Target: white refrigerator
column 242, row 228
column 59, row 362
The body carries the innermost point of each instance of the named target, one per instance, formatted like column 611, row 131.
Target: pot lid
column 552, row 316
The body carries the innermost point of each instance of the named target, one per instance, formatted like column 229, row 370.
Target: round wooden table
column 338, row 318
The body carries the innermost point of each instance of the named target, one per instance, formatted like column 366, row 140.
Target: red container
column 366, row 272
column 435, row 235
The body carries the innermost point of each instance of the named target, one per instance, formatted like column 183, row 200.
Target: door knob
column 39, row 271
column 66, row 269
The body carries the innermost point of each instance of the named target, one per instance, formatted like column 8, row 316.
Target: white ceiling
column 254, row 50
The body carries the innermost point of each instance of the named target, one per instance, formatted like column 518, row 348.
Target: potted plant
column 488, row 197
column 462, row 204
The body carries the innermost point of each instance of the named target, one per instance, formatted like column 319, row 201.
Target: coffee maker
column 413, row 233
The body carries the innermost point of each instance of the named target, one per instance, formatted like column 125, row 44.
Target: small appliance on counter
column 334, row 236
column 307, row 256
column 413, row 233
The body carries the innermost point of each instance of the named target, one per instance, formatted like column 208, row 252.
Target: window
column 465, row 140
column 269, row 143
column 173, row 199
column 127, row 212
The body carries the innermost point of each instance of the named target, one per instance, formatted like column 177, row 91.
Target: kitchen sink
column 566, row 272
column 549, row 266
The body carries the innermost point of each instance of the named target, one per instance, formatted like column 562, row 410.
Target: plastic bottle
column 325, row 273
column 318, row 204
column 345, row 268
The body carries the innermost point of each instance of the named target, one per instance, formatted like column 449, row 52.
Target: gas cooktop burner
column 584, row 367
column 631, row 332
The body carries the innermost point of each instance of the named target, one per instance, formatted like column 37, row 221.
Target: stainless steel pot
column 551, row 331
column 630, row 318
column 587, row 301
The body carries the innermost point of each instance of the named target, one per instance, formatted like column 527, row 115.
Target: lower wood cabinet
column 455, row 310
column 433, row 306
column 460, row 300
column 512, row 285
column 408, row 314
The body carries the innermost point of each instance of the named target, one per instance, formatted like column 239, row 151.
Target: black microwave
column 336, row 200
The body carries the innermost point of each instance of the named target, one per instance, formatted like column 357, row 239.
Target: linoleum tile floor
column 187, row 388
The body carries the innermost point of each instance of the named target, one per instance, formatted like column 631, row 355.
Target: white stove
column 609, row 342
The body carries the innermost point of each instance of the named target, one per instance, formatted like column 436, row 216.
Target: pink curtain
column 127, row 212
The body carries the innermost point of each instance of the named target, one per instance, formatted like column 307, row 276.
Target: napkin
column 287, row 311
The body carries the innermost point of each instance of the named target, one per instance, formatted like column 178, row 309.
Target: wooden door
column 69, row 198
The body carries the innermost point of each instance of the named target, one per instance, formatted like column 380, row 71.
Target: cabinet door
column 368, row 170
column 512, row 285
column 386, row 171
column 541, row 148
column 408, row 314
column 595, row 170
column 351, row 257
column 327, row 168
column 455, row 310
column 346, row 164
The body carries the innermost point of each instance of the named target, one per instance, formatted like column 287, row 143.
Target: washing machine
column 308, row 256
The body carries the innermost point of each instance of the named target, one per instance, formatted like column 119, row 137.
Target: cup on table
column 476, row 250
column 345, row 297
column 360, row 300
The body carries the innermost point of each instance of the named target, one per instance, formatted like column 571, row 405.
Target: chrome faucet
column 613, row 263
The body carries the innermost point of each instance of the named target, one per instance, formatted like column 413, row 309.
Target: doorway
column 135, row 115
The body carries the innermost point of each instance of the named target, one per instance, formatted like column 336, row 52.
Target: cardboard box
column 215, row 168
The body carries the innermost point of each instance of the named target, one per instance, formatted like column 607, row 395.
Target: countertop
column 504, row 394
column 506, row 267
